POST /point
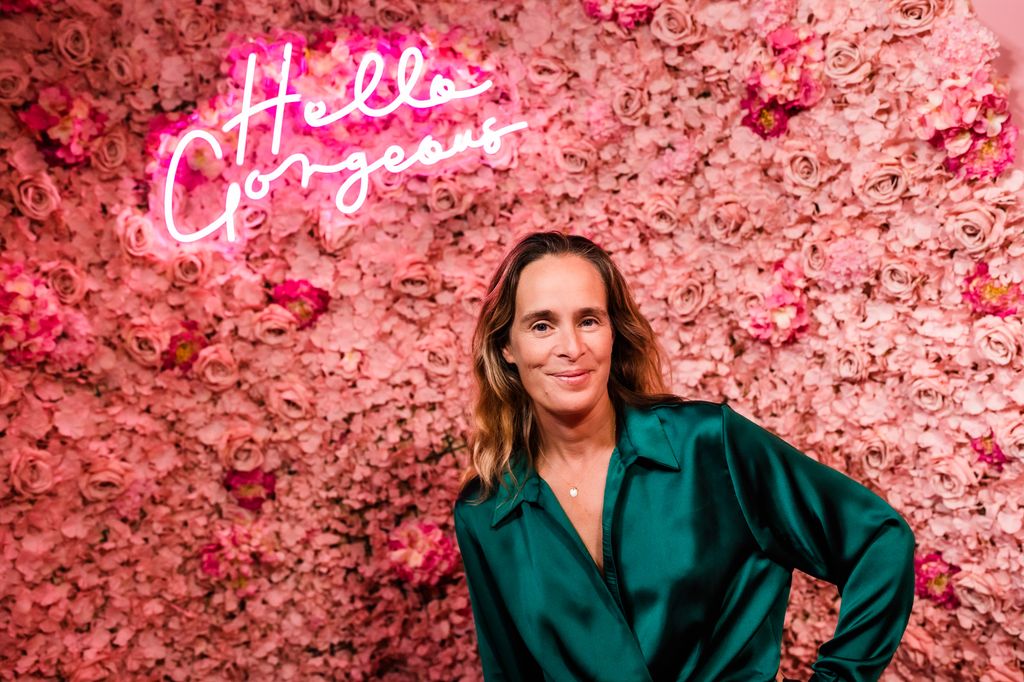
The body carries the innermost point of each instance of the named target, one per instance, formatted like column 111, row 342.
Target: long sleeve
column 808, row 516
column 503, row 654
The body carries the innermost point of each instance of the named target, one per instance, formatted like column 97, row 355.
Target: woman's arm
column 806, row 515
column 503, row 654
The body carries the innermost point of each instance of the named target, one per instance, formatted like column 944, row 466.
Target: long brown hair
column 503, row 410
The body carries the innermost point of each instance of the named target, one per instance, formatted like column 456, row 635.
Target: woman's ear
column 507, row 354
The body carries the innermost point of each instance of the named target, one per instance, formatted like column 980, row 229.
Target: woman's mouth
column 572, row 378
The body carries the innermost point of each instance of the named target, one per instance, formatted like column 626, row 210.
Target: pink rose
column 976, row 225
column 14, row 81
column 32, row 471
column 928, row 394
column 289, row 400
column 104, row 480
column 1010, row 435
column 880, row 184
column 815, row 258
column 547, row 73
column 843, row 62
column 109, row 151
column 72, row 43
column 136, row 234
column 686, row 298
column 335, row 231
column 995, row 339
column 876, row 456
column 801, row 172
column 394, row 12
column 674, row 24
column 415, row 277
column 659, row 213
column 446, row 199
column 216, row 367
column 911, row 16
column 897, row 279
column 195, row 27
column 951, row 477
column 37, row 197
column 188, row 268
column 575, row 157
column 437, row 352
column 274, row 324
column 240, row 450
column 67, row 281
column 146, row 343
column 852, row 364
column 629, row 104
column 124, row 66
column 726, row 219
column 323, row 8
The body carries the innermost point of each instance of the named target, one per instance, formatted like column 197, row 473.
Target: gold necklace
column 574, row 490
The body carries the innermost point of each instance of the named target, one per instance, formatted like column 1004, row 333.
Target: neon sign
column 257, row 183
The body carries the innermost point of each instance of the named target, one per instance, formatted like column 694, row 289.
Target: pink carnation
column 934, row 580
column 989, row 451
column 420, row 553
column 305, row 301
column 988, row 296
column 184, row 347
column 251, row 488
column 626, row 13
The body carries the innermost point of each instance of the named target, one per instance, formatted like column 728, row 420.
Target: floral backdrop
column 235, row 457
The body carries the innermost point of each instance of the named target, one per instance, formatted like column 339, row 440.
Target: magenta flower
column 989, row 451
column 934, row 580
column 767, row 119
column 251, row 488
column 31, row 318
column 184, row 347
column 421, row 553
column 987, row 156
column 988, row 296
column 305, row 301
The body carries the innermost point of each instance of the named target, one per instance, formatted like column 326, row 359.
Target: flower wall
column 236, row 458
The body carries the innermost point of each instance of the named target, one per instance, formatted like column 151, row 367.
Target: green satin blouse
column 706, row 514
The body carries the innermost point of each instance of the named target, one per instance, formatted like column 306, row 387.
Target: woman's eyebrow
column 582, row 312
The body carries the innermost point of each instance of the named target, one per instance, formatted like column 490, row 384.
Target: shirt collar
column 642, row 436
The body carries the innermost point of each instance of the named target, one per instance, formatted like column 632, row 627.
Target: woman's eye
column 590, row 319
column 537, row 327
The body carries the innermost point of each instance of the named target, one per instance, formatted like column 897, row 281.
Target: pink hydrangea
column 421, row 553
column 934, row 580
column 959, row 44
column 31, row 319
column 305, row 301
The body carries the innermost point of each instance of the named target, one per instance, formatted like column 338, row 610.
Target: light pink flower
column 33, row 471
column 420, row 553
column 414, row 276
column 216, row 367
column 37, row 197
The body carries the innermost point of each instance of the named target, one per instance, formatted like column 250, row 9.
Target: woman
column 611, row 531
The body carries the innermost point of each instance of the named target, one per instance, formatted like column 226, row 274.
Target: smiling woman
column 611, row 530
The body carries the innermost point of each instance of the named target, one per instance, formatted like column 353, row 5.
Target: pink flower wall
column 235, row 457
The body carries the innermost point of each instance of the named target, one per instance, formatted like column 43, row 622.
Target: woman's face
column 561, row 327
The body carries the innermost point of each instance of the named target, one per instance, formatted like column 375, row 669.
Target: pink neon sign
column 257, row 183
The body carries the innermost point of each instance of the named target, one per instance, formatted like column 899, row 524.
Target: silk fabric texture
column 705, row 516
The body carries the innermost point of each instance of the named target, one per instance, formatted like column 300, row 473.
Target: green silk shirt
column 706, row 514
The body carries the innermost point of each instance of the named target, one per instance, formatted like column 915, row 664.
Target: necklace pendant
column 574, row 491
